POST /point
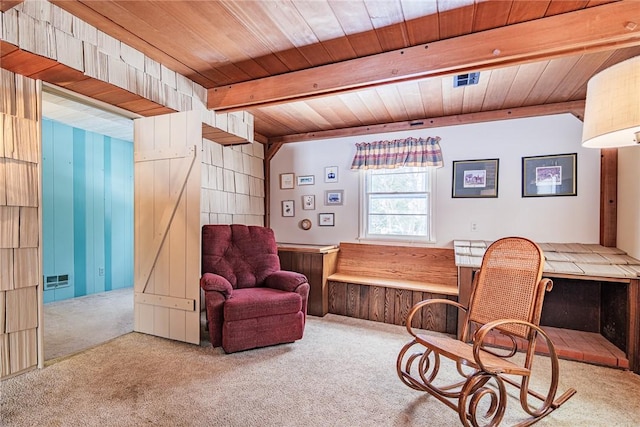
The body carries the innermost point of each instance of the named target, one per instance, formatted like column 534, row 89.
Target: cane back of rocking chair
column 508, row 286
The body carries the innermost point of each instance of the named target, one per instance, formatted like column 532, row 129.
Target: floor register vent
column 56, row 282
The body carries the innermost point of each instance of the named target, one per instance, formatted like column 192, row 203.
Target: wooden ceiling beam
column 587, row 30
column 272, row 149
column 8, row 4
column 573, row 107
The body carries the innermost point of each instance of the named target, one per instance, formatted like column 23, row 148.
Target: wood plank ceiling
column 342, row 49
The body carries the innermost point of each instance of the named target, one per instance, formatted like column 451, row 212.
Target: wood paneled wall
column 87, row 205
column 20, row 256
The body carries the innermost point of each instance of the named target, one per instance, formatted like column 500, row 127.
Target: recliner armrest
column 215, row 282
column 285, row 280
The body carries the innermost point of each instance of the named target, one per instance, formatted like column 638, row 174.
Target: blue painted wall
column 87, row 215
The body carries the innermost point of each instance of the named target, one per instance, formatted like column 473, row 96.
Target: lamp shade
column 612, row 108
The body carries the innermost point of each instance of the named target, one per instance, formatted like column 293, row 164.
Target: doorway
column 87, row 222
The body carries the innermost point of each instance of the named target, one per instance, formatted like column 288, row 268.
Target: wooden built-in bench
column 382, row 282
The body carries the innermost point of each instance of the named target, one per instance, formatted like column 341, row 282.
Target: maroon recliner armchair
column 249, row 301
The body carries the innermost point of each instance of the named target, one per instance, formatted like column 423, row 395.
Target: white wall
column 544, row 219
column 310, row 158
column 628, row 237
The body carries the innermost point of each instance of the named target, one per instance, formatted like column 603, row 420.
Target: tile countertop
column 562, row 258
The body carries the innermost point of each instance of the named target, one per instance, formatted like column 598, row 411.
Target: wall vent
column 466, row 79
column 55, row 282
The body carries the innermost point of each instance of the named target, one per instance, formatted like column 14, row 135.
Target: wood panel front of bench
column 391, row 305
column 382, row 283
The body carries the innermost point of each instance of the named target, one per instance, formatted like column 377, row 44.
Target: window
column 397, row 204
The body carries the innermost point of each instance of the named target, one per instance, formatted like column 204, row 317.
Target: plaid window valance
column 409, row 152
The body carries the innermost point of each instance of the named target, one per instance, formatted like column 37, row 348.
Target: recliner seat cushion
column 250, row 303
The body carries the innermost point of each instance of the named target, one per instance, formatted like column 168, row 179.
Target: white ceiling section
column 71, row 110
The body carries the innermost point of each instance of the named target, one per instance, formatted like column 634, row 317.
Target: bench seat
column 409, row 285
column 382, row 282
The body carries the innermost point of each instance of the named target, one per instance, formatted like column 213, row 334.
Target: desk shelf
column 594, row 312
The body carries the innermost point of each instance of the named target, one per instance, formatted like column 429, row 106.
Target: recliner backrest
column 244, row 255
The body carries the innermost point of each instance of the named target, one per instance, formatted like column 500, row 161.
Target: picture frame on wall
column 331, row 174
column 288, row 208
column 550, row 175
column 326, row 220
column 475, row 178
column 286, row 181
column 308, row 202
column 306, row 180
column 333, row 197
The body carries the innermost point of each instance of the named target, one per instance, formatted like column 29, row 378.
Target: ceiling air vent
column 466, row 79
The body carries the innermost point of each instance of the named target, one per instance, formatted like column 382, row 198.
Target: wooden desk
column 316, row 262
column 615, row 310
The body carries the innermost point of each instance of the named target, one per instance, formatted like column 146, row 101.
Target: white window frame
column 364, row 212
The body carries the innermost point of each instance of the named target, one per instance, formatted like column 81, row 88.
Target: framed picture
column 325, row 220
column 552, row 175
column 333, row 197
column 309, row 202
column 306, row 180
column 475, row 178
column 286, row 181
column 288, row 208
column 331, row 174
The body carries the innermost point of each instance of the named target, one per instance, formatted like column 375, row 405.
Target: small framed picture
column 306, row 180
column 286, row 181
column 288, row 208
column 333, row 197
column 331, row 174
column 326, row 220
column 309, row 202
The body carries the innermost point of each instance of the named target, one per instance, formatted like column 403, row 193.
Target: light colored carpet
column 342, row 373
column 76, row 324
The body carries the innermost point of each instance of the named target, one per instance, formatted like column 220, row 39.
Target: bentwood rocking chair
column 507, row 298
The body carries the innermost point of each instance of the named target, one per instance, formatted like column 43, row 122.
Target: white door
column 167, row 151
